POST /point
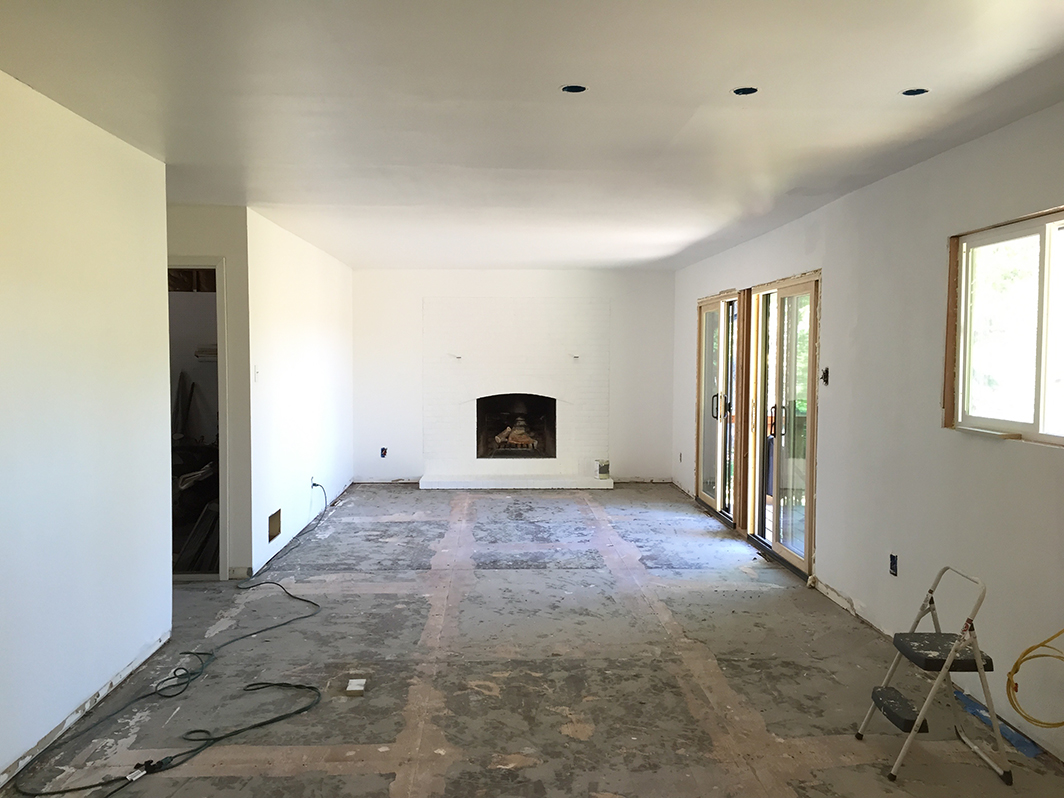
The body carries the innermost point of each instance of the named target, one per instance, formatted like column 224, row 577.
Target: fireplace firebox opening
column 516, row 425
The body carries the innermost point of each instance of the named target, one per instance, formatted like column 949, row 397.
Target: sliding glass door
column 765, row 416
column 755, row 462
column 718, row 375
column 784, row 432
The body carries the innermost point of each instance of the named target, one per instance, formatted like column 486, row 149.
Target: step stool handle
column 974, row 580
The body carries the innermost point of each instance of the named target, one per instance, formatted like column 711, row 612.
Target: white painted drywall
column 301, row 339
column 389, row 379
column 194, row 326
column 84, row 415
column 199, row 234
column 889, row 477
column 289, row 370
column 557, row 347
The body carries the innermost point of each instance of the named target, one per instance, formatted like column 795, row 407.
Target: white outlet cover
column 356, row 686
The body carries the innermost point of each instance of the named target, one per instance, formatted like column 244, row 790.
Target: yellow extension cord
column 1012, row 688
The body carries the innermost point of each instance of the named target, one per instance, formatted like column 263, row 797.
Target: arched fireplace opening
column 516, row 425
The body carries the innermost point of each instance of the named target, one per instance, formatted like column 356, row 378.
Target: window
column 1007, row 359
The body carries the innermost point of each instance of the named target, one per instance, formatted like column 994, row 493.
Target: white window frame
column 1043, row 225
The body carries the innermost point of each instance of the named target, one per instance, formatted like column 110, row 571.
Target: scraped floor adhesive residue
column 527, row 644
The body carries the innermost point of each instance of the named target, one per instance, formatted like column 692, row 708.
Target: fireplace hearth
column 516, row 425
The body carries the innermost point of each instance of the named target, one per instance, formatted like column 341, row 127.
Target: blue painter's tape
column 1019, row 742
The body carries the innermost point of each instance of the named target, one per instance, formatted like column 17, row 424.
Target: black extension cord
column 324, row 509
column 174, row 685
column 206, row 738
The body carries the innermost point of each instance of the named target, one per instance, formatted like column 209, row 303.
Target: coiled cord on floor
column 206, row 738
column 1013, row 689
column 173, row 685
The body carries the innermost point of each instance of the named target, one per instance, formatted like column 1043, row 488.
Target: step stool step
column 929, row 650
column 898, row 709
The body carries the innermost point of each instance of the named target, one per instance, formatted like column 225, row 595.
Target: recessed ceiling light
column 742, row 91
column 573, row 88
column 915, row 92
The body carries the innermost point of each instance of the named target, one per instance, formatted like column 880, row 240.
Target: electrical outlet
column 893, row 564
column 384, row 451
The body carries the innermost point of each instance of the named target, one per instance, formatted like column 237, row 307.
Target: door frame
column 224, row 455
column 807, row 563
column 738, row 404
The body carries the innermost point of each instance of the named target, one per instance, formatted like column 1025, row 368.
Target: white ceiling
column 433, row 133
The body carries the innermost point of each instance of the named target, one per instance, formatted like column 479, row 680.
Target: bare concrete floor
column 518, row 644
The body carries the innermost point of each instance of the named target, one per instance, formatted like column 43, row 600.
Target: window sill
column 990, row 433
column 1007, row 436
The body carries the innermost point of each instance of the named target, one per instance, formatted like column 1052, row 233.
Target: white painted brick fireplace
column 476, row 346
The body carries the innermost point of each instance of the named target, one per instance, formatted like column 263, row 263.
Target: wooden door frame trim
column 699, row 379
column 741, row 411
column 786, row 282
column 807, row 562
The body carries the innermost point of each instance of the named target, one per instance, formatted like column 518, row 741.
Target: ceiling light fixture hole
column 742, row 91
column 915, row 92
column 574, row 88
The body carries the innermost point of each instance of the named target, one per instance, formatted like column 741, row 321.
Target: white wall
column 301, row 355
column 388, row 356
column 288, row 377
column 84, row 416
column 890, row 478
column 557, row 347
column 197, row 235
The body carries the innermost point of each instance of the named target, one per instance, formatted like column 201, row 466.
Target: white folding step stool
column 943, row 652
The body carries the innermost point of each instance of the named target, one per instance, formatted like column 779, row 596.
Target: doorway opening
column 784, row 390
column 721, row 445
column 196, row 432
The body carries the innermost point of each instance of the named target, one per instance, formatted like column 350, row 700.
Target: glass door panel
column 726, row 404
column 709, row 405
column 765, row 449
column 721, row 322
column 783, row 388
column 794, row 325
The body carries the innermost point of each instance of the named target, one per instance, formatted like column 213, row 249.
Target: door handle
column 714, row 405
